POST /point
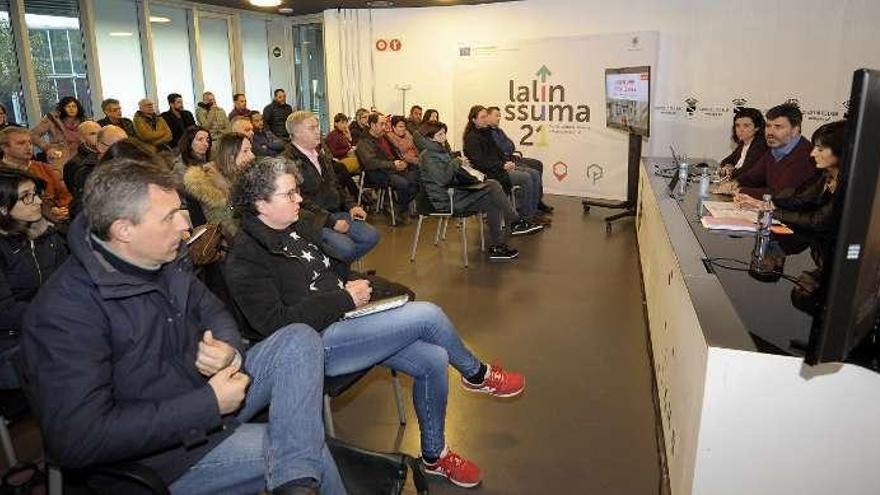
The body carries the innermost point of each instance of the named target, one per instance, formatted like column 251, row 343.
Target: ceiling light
column 285, row 10
column 120, row 33
column 265, row 3
column 380, row 4
column 159, row 19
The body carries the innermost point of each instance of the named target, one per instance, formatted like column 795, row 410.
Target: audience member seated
column 243, row 125
column 81, row 165
column 239, row 107
column 150, row 128
column 265, row 142
column 4, row 118
column 30, row 251
column 339, row 139
column 134, row 360
column 359, row 126
column 56, row 134
column 211, row 183
column 275, row 114
column 76, row 176
column 212, row 117
column 178, row 119
column 343, row 224
column 194, row 149
column 113, row 116
column 382, row 165
column 414, row 120
column 402, row 139
column 18, row 153
column 786, row 165
column 531, row 166
column 437, row 173
column 748, row 136
column 810, row 206
column 431, row 115
column 487, row 157
column 279, row 276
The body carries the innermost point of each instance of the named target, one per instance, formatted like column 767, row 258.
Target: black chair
column 382, row 191
column 426, row 210
column 64, row 480
column 334, row 386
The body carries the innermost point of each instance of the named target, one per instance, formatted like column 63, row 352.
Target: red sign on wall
column 395, row 45
column 381, row 45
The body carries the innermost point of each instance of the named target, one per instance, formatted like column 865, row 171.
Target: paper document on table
column 729, row 209
column 741, row 225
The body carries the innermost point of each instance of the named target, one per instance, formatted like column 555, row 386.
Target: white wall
column 761, row 50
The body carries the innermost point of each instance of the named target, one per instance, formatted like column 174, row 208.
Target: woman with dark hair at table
column 30, row 251
column 748, row 136
column 810, row 207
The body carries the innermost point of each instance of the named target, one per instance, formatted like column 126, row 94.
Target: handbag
column 206, row 245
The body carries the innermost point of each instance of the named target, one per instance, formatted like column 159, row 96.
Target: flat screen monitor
column 628, row 99
column 851, row 279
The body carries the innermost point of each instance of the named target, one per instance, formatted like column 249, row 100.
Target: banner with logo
column 551, row 93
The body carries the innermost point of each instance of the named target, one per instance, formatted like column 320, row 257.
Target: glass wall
column 57, row 52
column 255, row 55
column 216, row 66
column 311, row 81
column 119, row 53
column 170, row 27
column 11, row 95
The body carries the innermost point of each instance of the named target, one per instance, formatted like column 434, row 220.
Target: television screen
column 628, row 99
column 851, row 280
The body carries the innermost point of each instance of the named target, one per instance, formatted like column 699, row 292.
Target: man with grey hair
column 134, row 359
column 113, row 116
column 149, row 127
column 78, row 168
column 243, row 125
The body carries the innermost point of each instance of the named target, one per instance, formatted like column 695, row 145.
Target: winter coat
column 338, row 143
column 357, row 132
column 437, row 167
column 406, row 146
column 152, row 129
column 275, row 117
column 55, row 194
column 371, row 156
column 486, row 156
column 213, row 119
column 756, row 150
column 27, row 260
column 51, row 133
column 266, row 143
column 112, row 357
column 504, row 143
column 239, row 113
column 322, row 192
column 809, row 207
column 281, row 277
column 178, row 125
column 76, row 171
column 210, row 188
column 125, row 124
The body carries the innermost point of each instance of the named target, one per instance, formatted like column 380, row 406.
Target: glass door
column 311, row 80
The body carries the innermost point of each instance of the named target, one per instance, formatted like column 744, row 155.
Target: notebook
column 377, row 307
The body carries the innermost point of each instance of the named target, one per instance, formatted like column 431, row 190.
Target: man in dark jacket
column 78, row 168
column 278, row 275
column 344, row 224
column 275, row 114
column 787, row 164
column 533, row 167
column 177, row 118
column 134, row 359
column 265, row 142
column 383, row 166
column 113, row 116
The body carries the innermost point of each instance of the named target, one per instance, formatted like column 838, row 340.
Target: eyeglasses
column 291, row 195
column 28, row 198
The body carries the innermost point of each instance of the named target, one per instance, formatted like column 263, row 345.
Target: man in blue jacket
column 134, row 359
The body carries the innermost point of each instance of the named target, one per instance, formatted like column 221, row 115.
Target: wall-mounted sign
column 381, row 45
column 276, row 52
column 395, row 45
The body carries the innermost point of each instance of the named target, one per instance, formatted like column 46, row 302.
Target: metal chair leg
column 439, row 229
column 398, row 397
column 56, row 484
column 360, row 184
column 6, row 441
column 390, row 195
column 480, row 217
column 328, row 418
column 464, row 252
column 415, row 242
column 445, row 227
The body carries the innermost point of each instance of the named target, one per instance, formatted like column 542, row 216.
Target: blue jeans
column 526, row 203
column 358, row 241
column 537, row 174
column 404, row 183
column 417, row 339
column 286, row 371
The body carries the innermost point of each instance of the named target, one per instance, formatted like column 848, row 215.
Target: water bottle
column 763, row 267
column 765, row 216
column 681, row 191
column 704, row 182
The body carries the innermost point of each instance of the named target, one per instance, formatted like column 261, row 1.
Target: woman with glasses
column 30, row 251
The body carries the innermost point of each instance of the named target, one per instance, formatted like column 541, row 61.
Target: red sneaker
column 498, row 383
column 455, row 468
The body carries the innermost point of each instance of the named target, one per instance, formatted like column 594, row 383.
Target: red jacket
column 338, row 143
column 769, row 176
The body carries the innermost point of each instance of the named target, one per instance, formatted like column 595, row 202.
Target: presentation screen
column 628, row 99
